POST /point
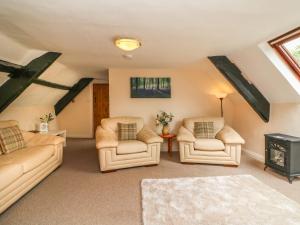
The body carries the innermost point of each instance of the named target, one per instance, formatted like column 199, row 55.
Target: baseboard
column 254, row 155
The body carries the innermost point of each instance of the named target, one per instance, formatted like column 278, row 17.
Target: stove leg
column 291, row 179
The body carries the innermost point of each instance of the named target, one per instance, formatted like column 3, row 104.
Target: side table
column 169, row 138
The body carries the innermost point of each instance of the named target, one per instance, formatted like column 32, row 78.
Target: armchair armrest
column 185, row 135
column 42, row 139
column 105, row 138
column 148, row 136
column 229, row 136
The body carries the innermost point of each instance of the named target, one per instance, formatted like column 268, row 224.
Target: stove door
column 278, row 155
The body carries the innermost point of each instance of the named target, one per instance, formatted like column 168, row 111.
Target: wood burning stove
column 282, row 154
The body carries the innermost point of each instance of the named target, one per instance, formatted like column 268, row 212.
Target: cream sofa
column 114, row 154
column 21, row 170
column 224, row 149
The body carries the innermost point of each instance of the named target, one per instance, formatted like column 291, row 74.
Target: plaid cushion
column 127, row 131
column 204, row 130
column 11, row 139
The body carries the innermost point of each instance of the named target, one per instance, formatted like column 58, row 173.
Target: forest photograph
column 150, row 87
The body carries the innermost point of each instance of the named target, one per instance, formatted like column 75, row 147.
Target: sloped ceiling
column 173, row 33
column 13, row 51
column 264, row 75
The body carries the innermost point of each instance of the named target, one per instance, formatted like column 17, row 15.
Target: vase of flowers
column 44, row 121
column 164, row 119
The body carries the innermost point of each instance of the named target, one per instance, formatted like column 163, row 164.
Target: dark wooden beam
column 250, row 93
column 75, row 90
column 8, row 67
column 51, row 84
column 21, row 79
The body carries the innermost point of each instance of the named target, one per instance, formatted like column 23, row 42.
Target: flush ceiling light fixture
column 127, row 44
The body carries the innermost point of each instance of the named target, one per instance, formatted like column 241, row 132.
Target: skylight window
column 288, row 46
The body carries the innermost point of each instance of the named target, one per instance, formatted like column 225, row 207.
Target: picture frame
column 150, row 87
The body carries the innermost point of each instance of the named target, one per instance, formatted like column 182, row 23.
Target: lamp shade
column 127, row 44
column 221, row 95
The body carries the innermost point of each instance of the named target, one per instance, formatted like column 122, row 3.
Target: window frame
column 278, row 42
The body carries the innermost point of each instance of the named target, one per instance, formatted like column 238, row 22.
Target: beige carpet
column 226, row 200
column 76, row 193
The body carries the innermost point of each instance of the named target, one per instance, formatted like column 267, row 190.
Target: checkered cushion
column 127, row 131
column 204, row 130
column 11, row 139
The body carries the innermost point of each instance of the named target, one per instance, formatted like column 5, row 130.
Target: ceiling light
column 127, row 44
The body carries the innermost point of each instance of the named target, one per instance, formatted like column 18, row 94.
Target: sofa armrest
column 185, row 135
column 148, row 136
column 229, row 136
column 105, row 138
column 28, row 136
column 43, row 139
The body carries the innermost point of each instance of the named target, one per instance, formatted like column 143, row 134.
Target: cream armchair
column 114, row 154
column 224, row 149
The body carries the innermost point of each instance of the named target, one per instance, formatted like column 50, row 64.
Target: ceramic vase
column 43, row 127
column 165, row 130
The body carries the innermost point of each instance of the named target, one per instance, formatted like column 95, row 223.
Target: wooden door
column 100, row 102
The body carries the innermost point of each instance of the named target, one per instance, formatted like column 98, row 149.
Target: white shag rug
column 225, row 200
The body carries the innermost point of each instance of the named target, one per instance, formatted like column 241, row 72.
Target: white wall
column 77, row 117
column 28, row 116
column 192, row 93
column 285, row 107
column 284, row 118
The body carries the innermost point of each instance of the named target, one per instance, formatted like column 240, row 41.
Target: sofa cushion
column 204, row 130
column 7, row 123
column 29, row 158
column 11, row 139
column 131, row 146
column 209, row 145
column 126, row 131
column 9, row 173
column 188, row 123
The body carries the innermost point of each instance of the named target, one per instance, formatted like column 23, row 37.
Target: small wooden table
column 169, row 137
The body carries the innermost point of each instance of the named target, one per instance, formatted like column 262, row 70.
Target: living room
column 120, row 112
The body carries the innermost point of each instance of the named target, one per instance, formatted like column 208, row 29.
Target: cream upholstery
column 8, row 123
column 111, row 124
column 21, row 170
column 209, row 145
column 9, row 173
column 131, row 146
column 218, row 123
column 114, row 154
column 224, row 149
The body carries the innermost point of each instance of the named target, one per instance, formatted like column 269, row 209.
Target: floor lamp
column 221, row 96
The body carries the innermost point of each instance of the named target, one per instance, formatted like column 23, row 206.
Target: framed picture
column 150, row 87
